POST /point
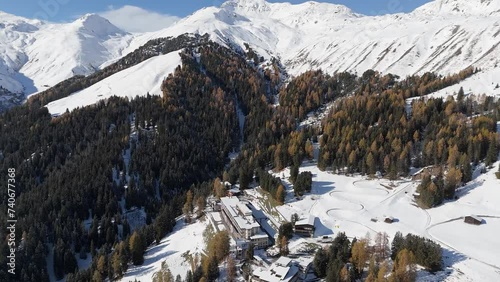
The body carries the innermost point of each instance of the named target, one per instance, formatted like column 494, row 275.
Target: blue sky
column 165, row 11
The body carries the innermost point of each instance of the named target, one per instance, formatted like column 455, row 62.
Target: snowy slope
column 77, row 48
column 141, row 79
column 35, row 54
column 15, row 34
column 443, row 36
column 185, row 239
column 483, row 7
column 485, row 82
column 348, row 204
column 332, row 37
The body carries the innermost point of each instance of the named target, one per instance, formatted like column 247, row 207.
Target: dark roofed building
column 473, row 219
column 305, row 227
column 389, row 219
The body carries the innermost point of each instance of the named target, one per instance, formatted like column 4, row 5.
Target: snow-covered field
column 485, row 82
column 138, row 80
column 184, row 238
column 348, row 204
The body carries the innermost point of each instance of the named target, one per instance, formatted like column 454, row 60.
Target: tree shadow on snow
column 323, row 187
column 321, row 229
column 450, row 258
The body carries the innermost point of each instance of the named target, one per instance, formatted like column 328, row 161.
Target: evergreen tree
column 404, row 267
column 281, row 194
column 249, row 253
column 320, row 263
column 137, row 248
column 294, row 172
column 359, row 255
column 231, row 269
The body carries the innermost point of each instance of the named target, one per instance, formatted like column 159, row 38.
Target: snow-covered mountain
column 35, row 55
column 443, row 36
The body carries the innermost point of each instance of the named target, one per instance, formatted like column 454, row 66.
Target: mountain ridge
column 435, row 37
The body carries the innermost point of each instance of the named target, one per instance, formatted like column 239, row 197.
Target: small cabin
column 473, row 219
column 305, row 227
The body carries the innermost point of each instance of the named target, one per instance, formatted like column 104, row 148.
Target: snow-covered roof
column 259, row 236
column 306, row 221
column 277, row 273
column 283, row 261
column 241, row 214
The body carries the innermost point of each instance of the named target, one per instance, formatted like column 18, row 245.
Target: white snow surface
column 443, row 36
column 138, row 80
column 315, row 35
column 348, row 204
column 35, row 55
column 184, row 238
column 485, row 82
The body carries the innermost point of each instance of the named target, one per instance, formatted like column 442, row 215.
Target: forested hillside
column 155, row 47
column 96, row 163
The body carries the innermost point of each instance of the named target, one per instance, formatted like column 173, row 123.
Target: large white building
column 241, row 222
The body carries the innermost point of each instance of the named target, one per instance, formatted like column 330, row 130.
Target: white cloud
column 135, row 19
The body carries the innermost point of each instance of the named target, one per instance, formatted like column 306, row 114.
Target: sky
column 151, row 15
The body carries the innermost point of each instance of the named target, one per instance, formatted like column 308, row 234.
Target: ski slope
column 348, row 204
column 184, row 238
column 138, row 80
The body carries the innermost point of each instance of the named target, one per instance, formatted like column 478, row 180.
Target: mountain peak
column 98, row 25
column 461, row 7
column 247, row 5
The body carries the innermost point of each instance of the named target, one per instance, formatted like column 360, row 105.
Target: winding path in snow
column 357, row 182
column 430, row 236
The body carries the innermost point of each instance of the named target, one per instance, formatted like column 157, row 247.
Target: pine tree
column 211, row 268
column 189, row 276
column 492, row 153
column 137, row 248
column 370, row 162
column 164, row 274
column 453, row 178
column 101, row 265
column 372, row 271
column 461, row 94
column 116, row 263
column 320, row 263
column 382, row 272
column 281, row 194
column 309, row 149
column 284, row 246
column 466, row 168
column 397, row 244
column 219, row 189
column 359, row 255
column 345, row 275
column 97, row 277
column 294, row 172
column 231, row 269
column 404, row 267
column 249, row 253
